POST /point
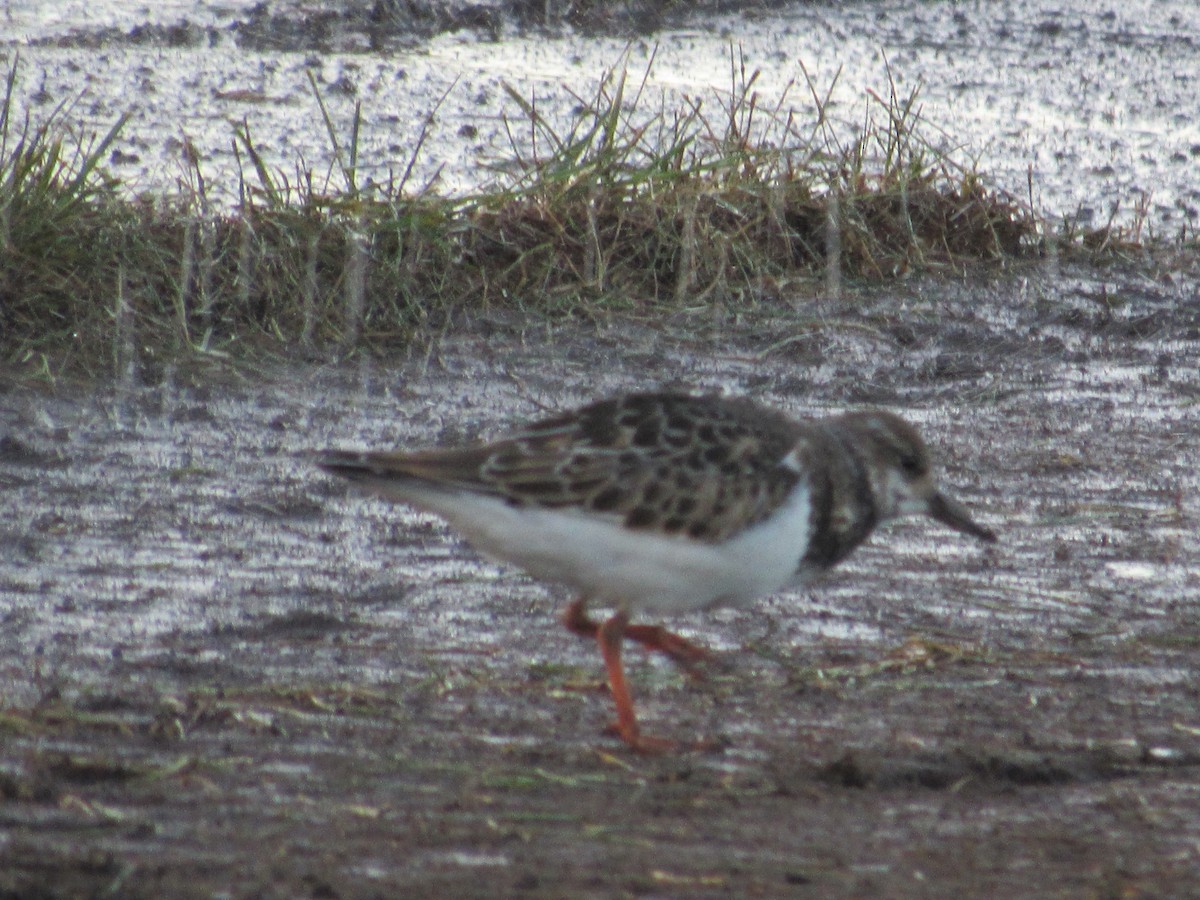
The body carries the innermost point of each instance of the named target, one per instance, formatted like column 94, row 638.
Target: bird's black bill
column 339, row 462
column 952, row 513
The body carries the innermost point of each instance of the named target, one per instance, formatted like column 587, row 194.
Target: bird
column 660, row 503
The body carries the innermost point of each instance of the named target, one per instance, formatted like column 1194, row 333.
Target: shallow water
column 139, row 516
column 1096, row 106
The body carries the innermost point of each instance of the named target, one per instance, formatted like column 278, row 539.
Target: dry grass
column 631, row 208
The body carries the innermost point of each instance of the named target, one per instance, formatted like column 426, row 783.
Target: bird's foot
column 648, row 745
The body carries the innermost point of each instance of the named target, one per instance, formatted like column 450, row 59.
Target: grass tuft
column 628, row 207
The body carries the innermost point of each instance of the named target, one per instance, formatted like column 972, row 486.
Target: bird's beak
column 952, row 513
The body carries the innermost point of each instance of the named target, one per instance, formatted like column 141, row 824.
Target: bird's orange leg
column 576, row 619
column 682, row 652
column 653, row 637
column 609, row 636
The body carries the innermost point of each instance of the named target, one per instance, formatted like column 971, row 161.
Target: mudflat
column 223, row 675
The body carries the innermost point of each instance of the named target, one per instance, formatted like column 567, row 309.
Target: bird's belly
column 640, row 569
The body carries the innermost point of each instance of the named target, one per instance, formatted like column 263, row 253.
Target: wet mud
column 223, row 675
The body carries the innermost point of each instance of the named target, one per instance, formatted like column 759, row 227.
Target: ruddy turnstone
column 664, row 503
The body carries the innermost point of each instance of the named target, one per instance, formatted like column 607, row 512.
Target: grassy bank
column 629, row 208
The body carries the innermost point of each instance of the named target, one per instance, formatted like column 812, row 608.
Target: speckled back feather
column 698, row 466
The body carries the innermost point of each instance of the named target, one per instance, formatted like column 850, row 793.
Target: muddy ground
column 224, row 676
column 221, row 675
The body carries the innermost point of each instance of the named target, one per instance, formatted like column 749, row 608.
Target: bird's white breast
column 638, row 569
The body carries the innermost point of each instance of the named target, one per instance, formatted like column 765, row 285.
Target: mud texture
column 224, row 676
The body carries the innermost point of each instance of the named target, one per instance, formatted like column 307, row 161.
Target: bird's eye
column 910, row 465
